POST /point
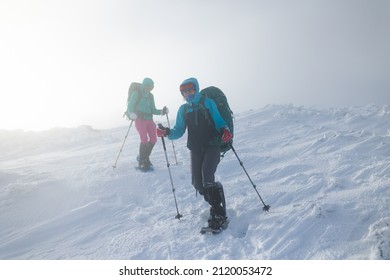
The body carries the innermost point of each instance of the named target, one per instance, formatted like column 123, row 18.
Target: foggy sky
column 67, row 63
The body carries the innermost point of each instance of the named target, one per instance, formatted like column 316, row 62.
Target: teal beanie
column 147, row 82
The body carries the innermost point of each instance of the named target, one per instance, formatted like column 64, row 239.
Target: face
column 187, row 89
column 148, row 88
column 188, row 94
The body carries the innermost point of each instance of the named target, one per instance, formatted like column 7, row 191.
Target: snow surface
column 325, row 173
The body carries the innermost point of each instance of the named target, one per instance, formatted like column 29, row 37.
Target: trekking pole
column 178, row 216
column 266, row 207
column 173, row 145
column 120, row 151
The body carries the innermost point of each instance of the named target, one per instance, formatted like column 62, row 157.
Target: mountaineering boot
column 149, row 149
column 218, row 222
column 215, row 196
column 142, row 163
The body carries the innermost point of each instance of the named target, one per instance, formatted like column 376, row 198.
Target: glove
column 162, row 131
column 132, row 116
column 165, row 111
column 226, row 135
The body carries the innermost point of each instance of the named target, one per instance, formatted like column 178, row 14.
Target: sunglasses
column 187, row 88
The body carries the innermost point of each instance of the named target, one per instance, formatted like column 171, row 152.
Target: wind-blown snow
column 325, row 173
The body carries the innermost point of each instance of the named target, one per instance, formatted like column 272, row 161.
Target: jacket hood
column 196, row 83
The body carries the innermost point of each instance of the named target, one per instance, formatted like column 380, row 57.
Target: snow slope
column 325, row 173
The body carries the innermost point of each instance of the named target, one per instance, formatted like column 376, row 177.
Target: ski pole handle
column 173, row 145
column 160, row 126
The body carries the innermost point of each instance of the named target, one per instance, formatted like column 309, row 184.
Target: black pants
column 204, row 164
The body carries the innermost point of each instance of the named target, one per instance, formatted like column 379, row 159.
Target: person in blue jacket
column 206, row 130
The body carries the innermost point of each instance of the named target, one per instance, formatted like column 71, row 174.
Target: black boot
column 215, row 196
column 142, row 163
column 218, row 222
column 149, row 149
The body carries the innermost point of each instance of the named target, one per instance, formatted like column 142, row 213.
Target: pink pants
column 146, row 130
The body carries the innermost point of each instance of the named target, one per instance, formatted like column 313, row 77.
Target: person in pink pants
column 140, row 109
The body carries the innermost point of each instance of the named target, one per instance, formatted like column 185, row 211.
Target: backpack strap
column 139, row 95
column 202, row 109
column 205, row 112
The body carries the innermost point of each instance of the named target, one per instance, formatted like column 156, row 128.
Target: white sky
column 70, row 62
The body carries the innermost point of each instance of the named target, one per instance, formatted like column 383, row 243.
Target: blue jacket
column 191, row 115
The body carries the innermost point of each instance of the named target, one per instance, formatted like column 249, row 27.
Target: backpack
column 134, row 87
column 220, row 99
